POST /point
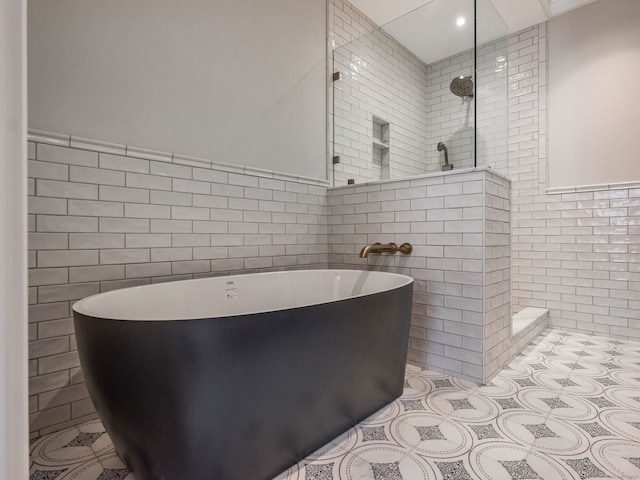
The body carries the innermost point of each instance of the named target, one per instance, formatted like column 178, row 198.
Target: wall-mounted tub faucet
column 391, row 248
column 447, row 166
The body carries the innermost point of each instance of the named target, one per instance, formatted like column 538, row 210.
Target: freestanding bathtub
column 240, row 377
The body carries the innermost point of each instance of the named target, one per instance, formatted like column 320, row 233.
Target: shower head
column 462, row 86
column 441, row 147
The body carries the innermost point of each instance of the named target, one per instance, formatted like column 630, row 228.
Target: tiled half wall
column 106, row 216
column 459, row 226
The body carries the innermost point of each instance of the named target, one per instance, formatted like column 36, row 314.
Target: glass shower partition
column 411, row 94
column 492, row 75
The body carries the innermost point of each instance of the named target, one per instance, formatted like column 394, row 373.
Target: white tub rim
column 94, row 305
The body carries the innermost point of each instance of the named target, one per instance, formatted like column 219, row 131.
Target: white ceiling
column 429, row 27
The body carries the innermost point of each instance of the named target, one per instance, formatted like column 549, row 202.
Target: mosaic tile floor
column 567, row 408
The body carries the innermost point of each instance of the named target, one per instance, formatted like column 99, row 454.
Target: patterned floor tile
column 568, row 407
column 543, row 433
column 384, row 463
column 622, row 458
column 511, row 461
column 431, row 435
column 73, row 445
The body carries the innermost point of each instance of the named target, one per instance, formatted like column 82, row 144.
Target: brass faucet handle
column 405, row 248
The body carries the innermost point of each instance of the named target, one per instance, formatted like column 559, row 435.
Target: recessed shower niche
column 380, row 144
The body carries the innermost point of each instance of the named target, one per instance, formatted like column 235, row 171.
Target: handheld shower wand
column 447, row 166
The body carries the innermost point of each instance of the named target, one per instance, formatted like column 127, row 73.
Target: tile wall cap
column 82, row 143
column 148, row 154
column 50, row 138
column 592, row 188
column 346, row 188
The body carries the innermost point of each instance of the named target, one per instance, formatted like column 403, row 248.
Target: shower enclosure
column 424, row 88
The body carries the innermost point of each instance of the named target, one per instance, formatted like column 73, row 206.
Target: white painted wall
column 238, row 82
column 594, row 103
column 14, row 453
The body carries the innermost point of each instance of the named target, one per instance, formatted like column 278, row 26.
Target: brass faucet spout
column 391, row 248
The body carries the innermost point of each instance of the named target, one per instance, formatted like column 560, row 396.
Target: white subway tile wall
column 381, row 79
column 497, row 276
column 458, row 224
column 450, row 118
column 101, row 221
column 491, row 85
column 575, row 253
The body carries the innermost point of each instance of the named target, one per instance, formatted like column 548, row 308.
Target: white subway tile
column 210, row 201
column 57, row 154
column 192, row 186
column 48, row 170
column 48, row 241
column 224, row 215
column 244, row 227
column 227, row 264
column 47, row 206
column 211, row 227
column 138, row 210
column 170, row 170
column 96, row 273
column 200, row 253
column 124, row 255
column 148, row 240
column 57, row 293
column 138, row 270
column 121, row 194
column 124, row 225
column 189, row 213
column 48, row 276
column 172, row 226
column 171, row 254
column 213, row 175
column 153, row 182
column 224, row 190
column 125, row 164
column 96, row 175
column 271, row 184
column 92, row 208
column 53, row 188
column 191, row 266
column 227, row 240
column 241, row 180
column 55, row 328
column 171, row 198
column 49, row 311
column 54, row 223
column 190, row 240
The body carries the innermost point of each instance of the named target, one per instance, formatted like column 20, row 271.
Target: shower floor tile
column 567, row 408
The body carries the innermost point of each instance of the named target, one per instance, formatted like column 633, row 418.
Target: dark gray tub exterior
column 243, row 397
